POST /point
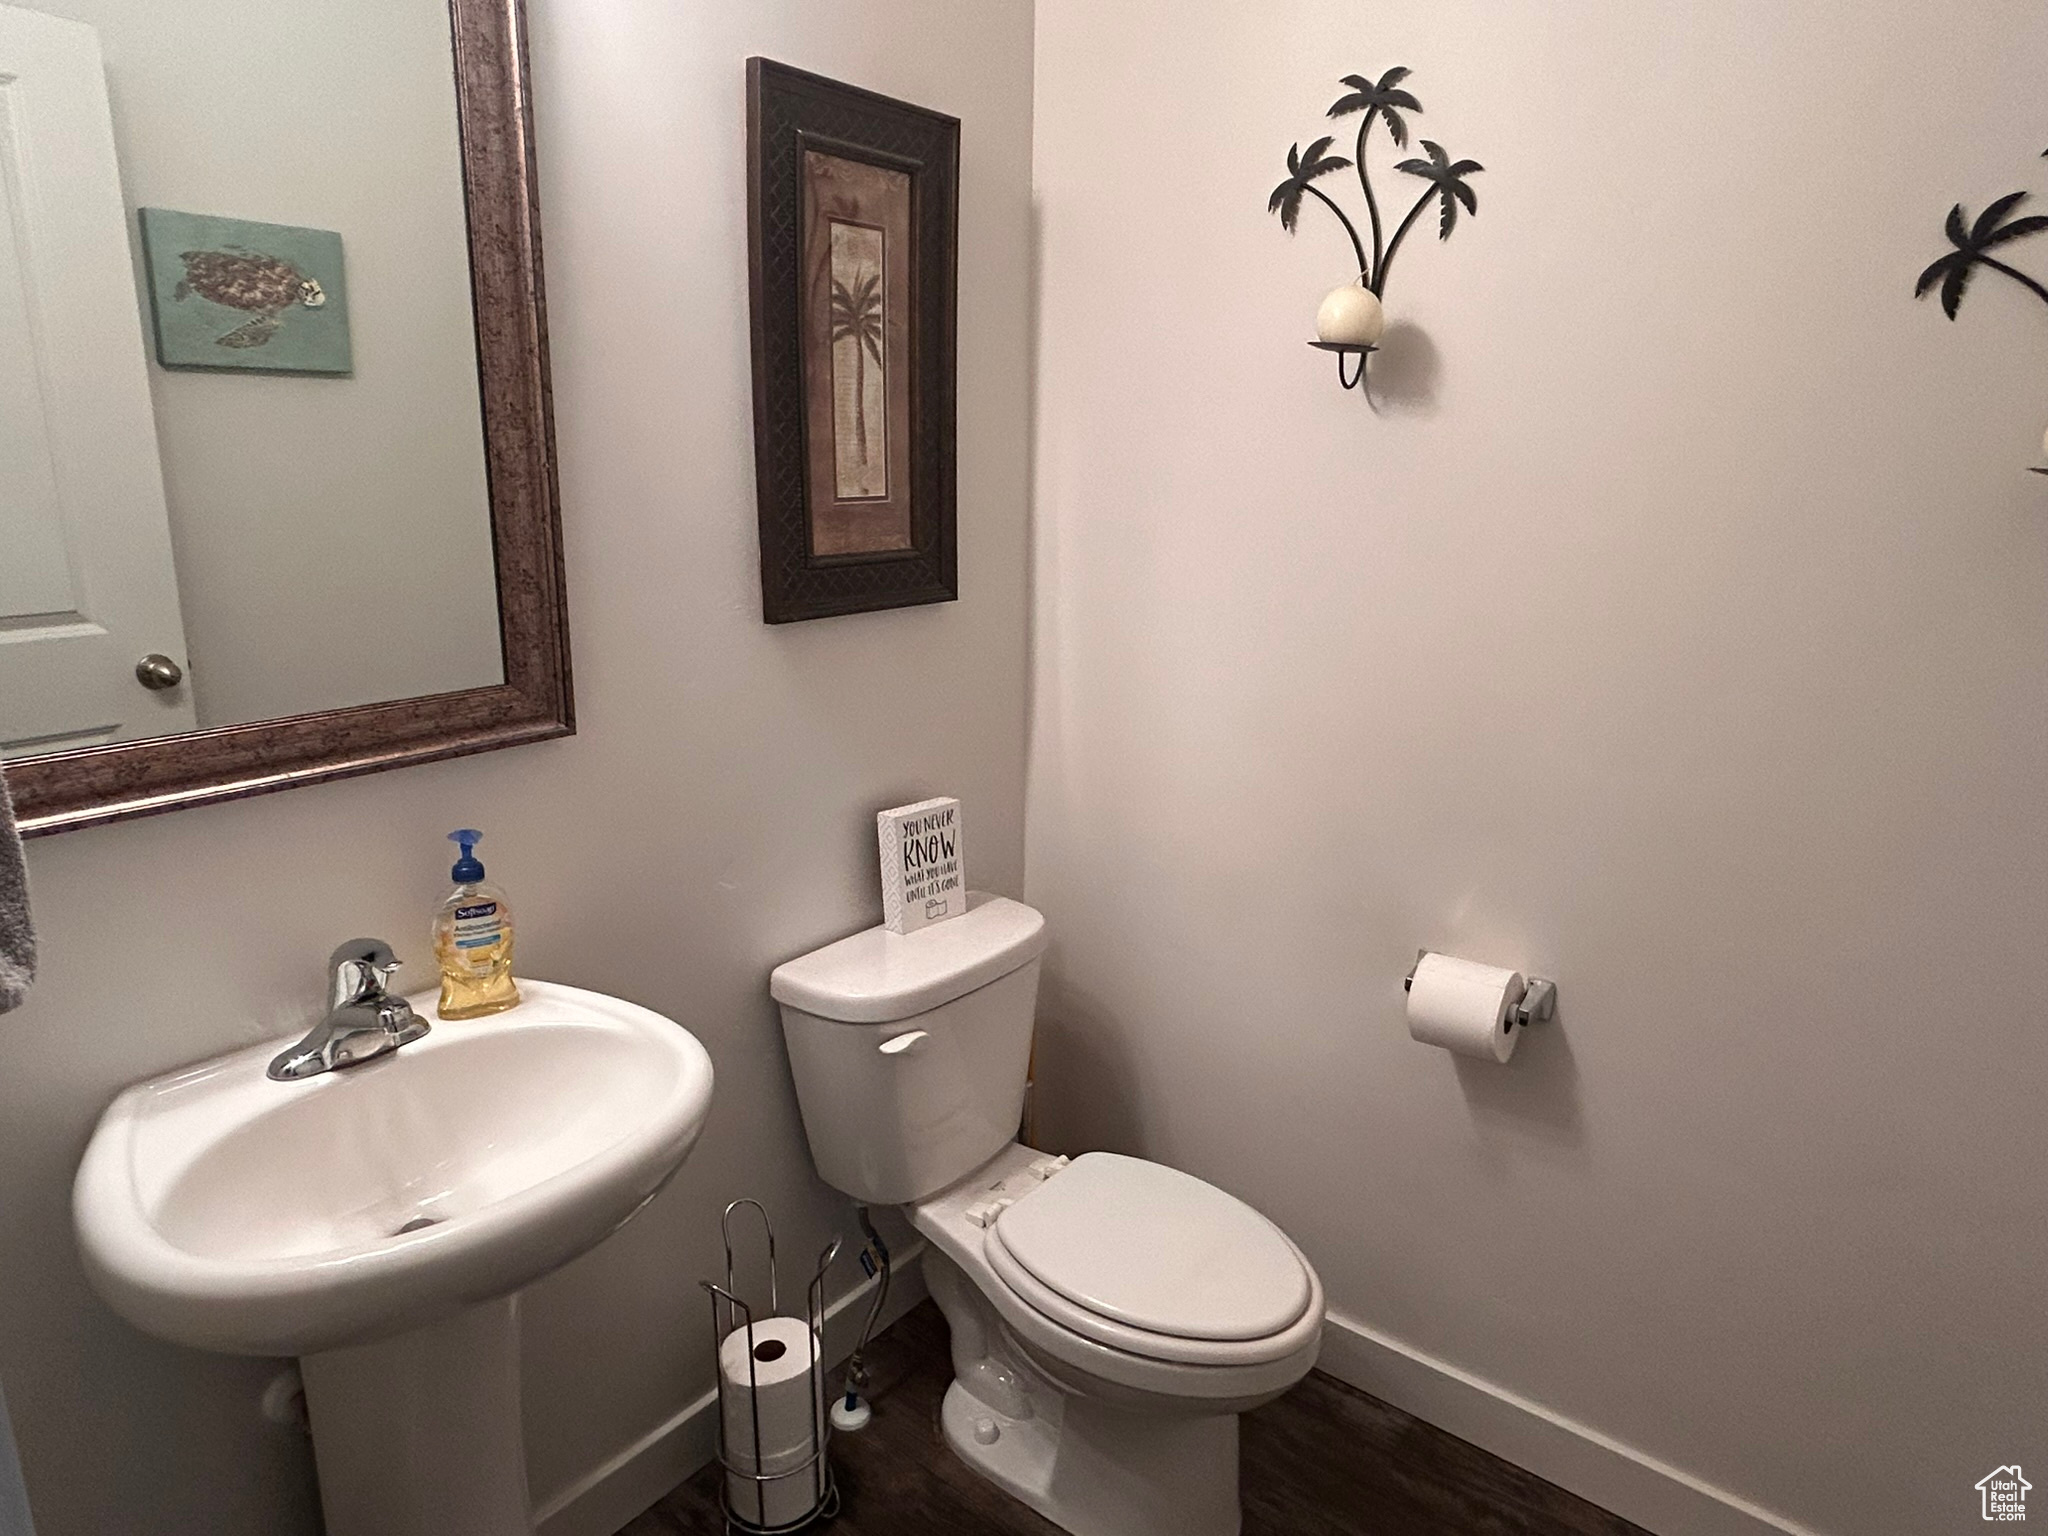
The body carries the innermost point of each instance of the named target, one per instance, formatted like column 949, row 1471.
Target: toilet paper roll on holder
column 1537, row 1004
column 730, row 1312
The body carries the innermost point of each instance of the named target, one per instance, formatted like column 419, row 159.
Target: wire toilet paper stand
column 747, row 1510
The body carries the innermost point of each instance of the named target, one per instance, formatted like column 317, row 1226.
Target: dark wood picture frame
column 80, row 788
column 788, row 113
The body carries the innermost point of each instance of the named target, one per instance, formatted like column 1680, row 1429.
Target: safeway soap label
column 924, row 869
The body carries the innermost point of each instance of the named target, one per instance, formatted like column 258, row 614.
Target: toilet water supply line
column 856, row 1364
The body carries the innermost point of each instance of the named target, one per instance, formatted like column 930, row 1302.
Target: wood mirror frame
column 89, row 785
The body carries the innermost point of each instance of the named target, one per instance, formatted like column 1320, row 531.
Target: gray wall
column 713, row 817
column 1676, row 629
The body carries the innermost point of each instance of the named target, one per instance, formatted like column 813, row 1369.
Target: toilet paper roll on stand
column 1473, row 1009
column 772, row 1406
column 773, row 1432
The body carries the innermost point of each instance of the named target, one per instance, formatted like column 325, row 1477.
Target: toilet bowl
column 1106, row 1426
column 1110, row 1317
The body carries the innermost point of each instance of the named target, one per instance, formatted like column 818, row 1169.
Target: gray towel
column 14, row 1520
column 17, row 934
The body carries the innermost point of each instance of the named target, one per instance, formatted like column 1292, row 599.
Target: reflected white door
column 87, row 587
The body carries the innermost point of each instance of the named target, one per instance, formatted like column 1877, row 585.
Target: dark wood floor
column 1324, row 1460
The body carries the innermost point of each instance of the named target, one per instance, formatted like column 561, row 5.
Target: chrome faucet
column 364, row 1021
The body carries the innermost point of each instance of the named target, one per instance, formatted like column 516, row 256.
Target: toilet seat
column 1151, row 1261
column 1167, row 1348
column 1068, row 1343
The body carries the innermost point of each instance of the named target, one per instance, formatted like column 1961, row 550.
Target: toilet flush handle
column 903, row 1044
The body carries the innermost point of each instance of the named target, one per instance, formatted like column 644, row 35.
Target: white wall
column 1678, row 631
column 332, row 535
column 713, row 816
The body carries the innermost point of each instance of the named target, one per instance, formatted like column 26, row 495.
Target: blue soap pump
column 473, row 939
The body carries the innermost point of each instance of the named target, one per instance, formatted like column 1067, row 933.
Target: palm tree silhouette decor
column 1974, row 240
column 1382, row 101
column 857, row 315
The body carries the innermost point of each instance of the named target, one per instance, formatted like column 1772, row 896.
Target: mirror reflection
column 242, row 469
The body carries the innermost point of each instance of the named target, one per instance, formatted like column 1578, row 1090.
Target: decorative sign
column 234, row 294
column 924, row 869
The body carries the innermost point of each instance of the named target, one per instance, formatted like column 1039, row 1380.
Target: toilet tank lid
column 878, row 977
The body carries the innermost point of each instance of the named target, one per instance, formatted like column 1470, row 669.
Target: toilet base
column 1100, row 1443
column 1095, row 1470
column 1089, row 1466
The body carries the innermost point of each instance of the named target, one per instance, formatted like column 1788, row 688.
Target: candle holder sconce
column 1973, row 240
column 1352, row 318
column 1345, row 349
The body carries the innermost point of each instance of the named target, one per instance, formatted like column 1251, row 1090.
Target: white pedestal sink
column 377, row 1221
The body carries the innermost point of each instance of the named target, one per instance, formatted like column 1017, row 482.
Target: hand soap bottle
column 473, row 939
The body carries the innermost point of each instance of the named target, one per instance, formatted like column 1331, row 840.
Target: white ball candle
column 1351, row 316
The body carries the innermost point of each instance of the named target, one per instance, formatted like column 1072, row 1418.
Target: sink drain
column 418, row 1223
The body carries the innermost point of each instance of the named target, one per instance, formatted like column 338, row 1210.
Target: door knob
column 157, row 672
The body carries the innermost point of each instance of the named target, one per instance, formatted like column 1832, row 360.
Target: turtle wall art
column 235, row 294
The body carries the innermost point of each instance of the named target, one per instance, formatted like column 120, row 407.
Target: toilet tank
column 910, row 1050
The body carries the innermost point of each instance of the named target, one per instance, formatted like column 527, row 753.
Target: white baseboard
column 1617, row 1477
column 616, row 1491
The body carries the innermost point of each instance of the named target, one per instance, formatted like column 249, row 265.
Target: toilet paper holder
column 1538, row 1002
column 730, row 1313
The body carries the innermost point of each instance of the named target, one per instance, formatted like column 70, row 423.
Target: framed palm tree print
column 852, row 226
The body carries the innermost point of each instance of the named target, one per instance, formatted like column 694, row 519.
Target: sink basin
column 379, row 1221
column 218, row 1208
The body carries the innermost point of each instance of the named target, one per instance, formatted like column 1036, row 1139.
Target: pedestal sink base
column 420, row 1435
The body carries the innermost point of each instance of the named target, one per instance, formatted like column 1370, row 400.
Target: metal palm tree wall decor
column 1974, row 240
column 1352, row 319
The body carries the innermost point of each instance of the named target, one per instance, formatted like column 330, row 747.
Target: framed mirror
column 277, row 482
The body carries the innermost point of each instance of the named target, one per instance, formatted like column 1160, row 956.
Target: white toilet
column 1110, row 1317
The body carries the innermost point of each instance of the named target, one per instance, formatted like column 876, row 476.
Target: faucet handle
column 361, row 969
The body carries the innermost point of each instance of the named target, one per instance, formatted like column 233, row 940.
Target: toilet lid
column 1157, row 1249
